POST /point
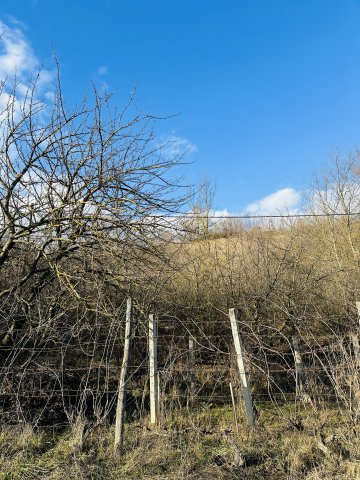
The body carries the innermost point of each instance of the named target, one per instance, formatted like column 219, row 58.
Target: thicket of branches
column 82, row 194
column 84, row 199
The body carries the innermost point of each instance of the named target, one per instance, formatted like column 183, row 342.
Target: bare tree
column 73, row 183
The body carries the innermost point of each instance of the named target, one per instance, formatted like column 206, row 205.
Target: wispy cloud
column 103, row 70
column 174, row 146
column 18, row 63
column 16, row 57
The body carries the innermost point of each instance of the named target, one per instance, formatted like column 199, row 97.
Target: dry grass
column 200, row 445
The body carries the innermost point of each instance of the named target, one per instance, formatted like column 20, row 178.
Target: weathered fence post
column 153, row 370
column 191, row 370
column 299, row 369
column 355, row 338
column 245, row 387
column 120, row 407
column 234, row 408
column 358, row 311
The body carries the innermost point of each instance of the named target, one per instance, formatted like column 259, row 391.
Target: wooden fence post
column 120, row 407
column 191, row 370
column 355, row 338
column 299, row 369
column 153, row 370
column 234, row 408
column 245, row 387
column 358, row 311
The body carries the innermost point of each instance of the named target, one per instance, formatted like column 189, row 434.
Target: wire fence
column 38, row 380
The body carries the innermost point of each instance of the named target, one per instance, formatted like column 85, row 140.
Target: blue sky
column 266, row 89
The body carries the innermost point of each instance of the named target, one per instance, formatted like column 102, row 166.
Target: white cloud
column 19, row 63
column 283, row 201
column 103, row 70
column 17, row 57
column 104, row 87
column 174, row 146
column 221, row 213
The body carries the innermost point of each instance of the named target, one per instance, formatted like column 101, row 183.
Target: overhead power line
column 192, row 216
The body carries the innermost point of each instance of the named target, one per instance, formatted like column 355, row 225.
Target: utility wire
column 192, row 216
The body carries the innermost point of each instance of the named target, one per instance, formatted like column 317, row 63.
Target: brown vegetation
column 84, row 224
